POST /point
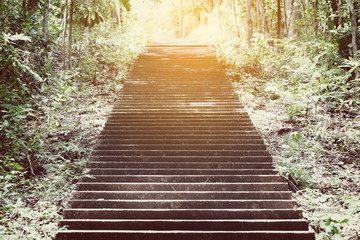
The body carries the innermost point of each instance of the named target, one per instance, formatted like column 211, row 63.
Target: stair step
column 179, row 136
column 96, row 186
column 125, row 213
column 175, row 123
column 176, row 128
column 254, row 159
column 175, row 224
column 188, row 141
column 179, row 115
column 220, row 195
column 164, row 153
column 202, row 165
column 198, row 147
column 184, row 178
column 183, row 235
column 168, row 171
column 183, row 204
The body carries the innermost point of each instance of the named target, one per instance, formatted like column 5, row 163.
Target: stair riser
column 182, row 147
column 184, row 179
column 214, row 225
column 225, row 159
column 177, row 124
column 178, row 141
column 181, row 187
column 164, row 153
column 128, row 104
column 205, row 165
column 180, row 214
column 181, row 205
column 178, row 97
column 180, row 115
column 222, row 195
column 176, row 128
column 202, row 137
column 186, row 236
column 99, row 171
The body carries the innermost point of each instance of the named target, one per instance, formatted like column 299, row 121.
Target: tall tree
column 219, row 16
column 343, row 41
column 278, row 27
column 69, row 67
column 235, row 18
column 316, row 8
column 29, row 6
column 354, row 33
column 46, row 21
column 294, row 17
column 262, row 13
column 181, row 18
column 64, row 32
column 249, row 20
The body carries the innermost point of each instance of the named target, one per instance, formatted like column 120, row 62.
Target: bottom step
column 186, row 225
column 184, row 235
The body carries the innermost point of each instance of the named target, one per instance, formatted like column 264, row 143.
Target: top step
column 179, row 42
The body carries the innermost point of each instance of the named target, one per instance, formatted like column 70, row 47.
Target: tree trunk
column 278, row 28
column 64, row 36
column 29, row 6
column 219, row 17
column 262, row 13
column 338, row 22
column 257, row 17
column 70, row 34
column 46, row 21
column 249, row 20
column 353, row 34
column 235, row 18
column 316, row 6
column 295, row 15
column 121, row 17
column 115, row 16
column 285, row 19
column 181, row 18
column 334, row 6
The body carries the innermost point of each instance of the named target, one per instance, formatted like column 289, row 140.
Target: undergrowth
column 47, row 134
column 307, row 109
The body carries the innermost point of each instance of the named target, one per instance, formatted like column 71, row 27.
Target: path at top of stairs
column 179, row 159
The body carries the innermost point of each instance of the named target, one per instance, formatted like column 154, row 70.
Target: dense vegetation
column 61, row 64
column 298, row 78
column 294, row 63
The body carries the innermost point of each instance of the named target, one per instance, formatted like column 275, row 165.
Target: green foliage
column 108, row 56
column 91, row 17
column 312, row 92
column 18, row 83
column 50, row 118
column 31, row 214
column 332, row 228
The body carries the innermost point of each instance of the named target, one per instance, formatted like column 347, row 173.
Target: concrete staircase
column 179, row 159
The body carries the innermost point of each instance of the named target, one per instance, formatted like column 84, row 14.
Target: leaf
column 16, row 37
column 17, row 166
column 345, row 220
column 328, row 222
column 126, row 4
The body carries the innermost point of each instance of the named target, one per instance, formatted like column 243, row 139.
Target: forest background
column 294, row 63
